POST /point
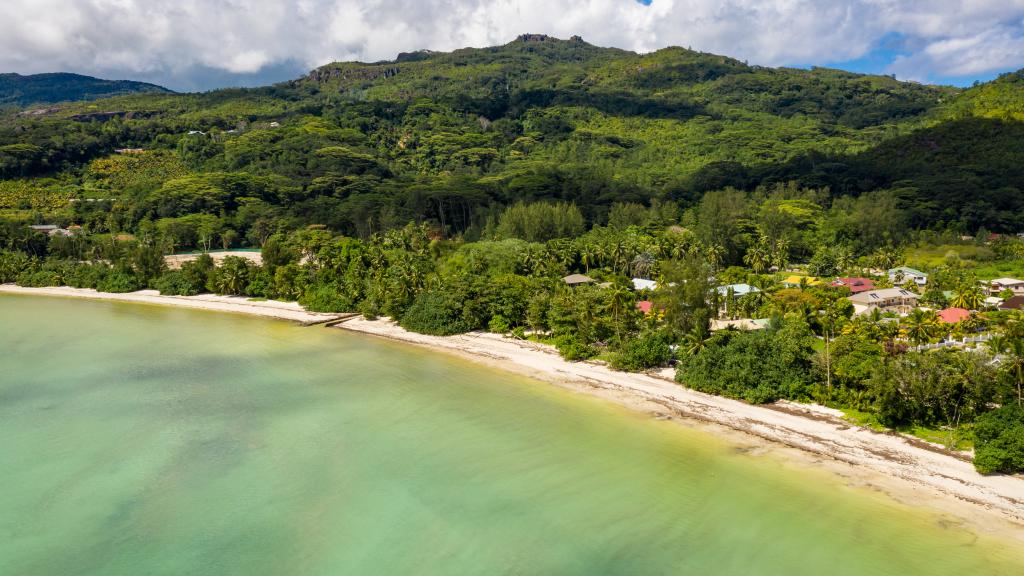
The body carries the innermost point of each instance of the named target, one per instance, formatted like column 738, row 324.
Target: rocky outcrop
column 350, row 73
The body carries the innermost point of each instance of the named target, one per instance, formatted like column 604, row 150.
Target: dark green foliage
column 325, row 298
column 50, row 88
column 646, row 351
column 39, row 279
column 175, row 283
column 540, row 222
column 118, row 281
column 437, row 312
column 12, row 265
column 999, row 441
column 231, row 278
column 759, row 366
column 573, row 349
column 938, row 388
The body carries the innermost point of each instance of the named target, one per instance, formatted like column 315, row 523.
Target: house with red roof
column 856, row 285
column 954, row 315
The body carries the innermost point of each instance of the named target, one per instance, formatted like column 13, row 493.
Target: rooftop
column 954, row 315
column 738, row 289
column 574, row 279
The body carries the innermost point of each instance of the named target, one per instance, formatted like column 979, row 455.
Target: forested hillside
column 452, row 138
column 18, row 90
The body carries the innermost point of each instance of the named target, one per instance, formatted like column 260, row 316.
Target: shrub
column 572, row 348
column 39, row 279
column 647, row 351
column 498, row 325
column 175, row 283
column 436, row 312
column 12, row 265
column 118, row 281
column 88, row 275
column 999, row 441
column 760, row 366
column 325, row 298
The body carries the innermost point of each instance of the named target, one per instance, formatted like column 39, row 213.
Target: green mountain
column 451, row 138
column 19, row 90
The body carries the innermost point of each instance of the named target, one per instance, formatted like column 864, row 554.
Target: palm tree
column 757, row 258
column 968, row 295
column 844, row 259
column 997, row 344
column 620, row 302
column 920, row 326
column 780, row 253
column 1014, row 365
column 694, row 341
column 642, row 264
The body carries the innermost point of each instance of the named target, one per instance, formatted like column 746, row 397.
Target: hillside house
column 738, row 290
column 856, row 285
column 1015, row 303
column 954, row 315
column 998, row 285
column 902, row 274
column 895, row 300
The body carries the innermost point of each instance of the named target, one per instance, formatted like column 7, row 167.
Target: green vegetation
column 18, row 90
column 453, row 192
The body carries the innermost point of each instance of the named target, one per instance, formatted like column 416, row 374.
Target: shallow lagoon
column 150, row 440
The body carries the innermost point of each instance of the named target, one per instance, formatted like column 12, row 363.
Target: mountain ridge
column 55, row 87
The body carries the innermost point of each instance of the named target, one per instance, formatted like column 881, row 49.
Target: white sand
column 910, row 470
column 237, row 304
column 174, row 261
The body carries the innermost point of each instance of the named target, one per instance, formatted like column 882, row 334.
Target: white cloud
column 156, row 37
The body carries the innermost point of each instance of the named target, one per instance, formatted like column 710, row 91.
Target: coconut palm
column 1014, row 366
column 921, row 326
column 694, row 341
column 968, row 295
column 757, row 257
column 780, row 253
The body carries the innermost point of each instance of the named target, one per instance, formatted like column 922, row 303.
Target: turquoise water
column 149, row 440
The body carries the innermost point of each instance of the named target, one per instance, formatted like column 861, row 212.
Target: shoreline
column 907, row 470
column 275, row 309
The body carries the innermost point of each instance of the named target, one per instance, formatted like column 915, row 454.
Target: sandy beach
column 909, row 470
column 236, row 304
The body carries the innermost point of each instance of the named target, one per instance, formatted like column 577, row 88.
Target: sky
column 190, row 45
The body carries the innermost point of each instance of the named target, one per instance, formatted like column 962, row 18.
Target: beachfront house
column 895, row 300
column 902, row 274
column 856, row 285
column 999, row 285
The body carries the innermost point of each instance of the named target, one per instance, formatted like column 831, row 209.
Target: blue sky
column 205, row 44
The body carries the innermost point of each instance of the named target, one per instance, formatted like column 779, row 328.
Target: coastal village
column 899, row 297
